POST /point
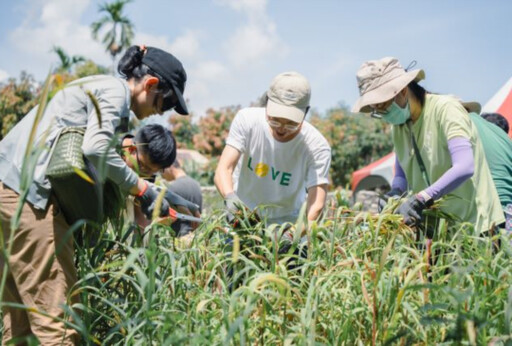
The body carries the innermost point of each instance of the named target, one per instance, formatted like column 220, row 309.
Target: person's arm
column 399, row 183
column 110, row 96
column 224, row 173
column 316, row 201
column 463, row 167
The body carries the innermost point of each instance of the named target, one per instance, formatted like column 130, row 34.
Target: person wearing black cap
column 39, row 276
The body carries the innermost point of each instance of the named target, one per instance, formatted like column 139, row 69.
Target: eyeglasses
column 276, row 124
column 381, row 109
column 142, row 168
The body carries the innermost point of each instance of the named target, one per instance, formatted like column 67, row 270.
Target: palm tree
column 120, row 33
column 67, row 62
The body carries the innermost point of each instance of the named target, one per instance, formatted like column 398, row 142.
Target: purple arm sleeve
column 399, row 180
column 462, row 168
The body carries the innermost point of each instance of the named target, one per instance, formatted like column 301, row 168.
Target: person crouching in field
column 274, row 157
column 38, row 276
column 439, row 154
column 153, row 150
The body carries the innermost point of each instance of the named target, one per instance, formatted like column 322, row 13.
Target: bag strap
column 417, row 154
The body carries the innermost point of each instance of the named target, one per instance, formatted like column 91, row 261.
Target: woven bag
column 67, row 153
column 79, row 198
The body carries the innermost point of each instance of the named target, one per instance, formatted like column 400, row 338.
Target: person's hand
column 148, row 199
column 384, row 199
column 233, row 204
column 188, row 211
column 412, row 209
column 178, row 201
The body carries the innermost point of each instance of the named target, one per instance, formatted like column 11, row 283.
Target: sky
column 231, row 49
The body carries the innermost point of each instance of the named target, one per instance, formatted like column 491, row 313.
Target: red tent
column 380, row 173
column 501, row 103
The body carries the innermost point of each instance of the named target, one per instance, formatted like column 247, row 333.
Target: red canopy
column 501, row 103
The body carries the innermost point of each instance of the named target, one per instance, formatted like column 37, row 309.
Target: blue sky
column 232, row 49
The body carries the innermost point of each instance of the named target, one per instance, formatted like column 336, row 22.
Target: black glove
column 175, row 199
column 383, row 200
column 233, row 204
column 412, row 210
column 148, row 203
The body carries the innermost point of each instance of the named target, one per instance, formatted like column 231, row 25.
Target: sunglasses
column 169, row 99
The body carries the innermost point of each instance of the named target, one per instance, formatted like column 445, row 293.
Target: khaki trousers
column 41, row 273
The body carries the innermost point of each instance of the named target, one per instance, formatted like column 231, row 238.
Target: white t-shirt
column 273, row 174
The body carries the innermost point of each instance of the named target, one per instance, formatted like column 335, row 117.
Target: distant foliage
column 184, row 129
column 213, row 131
column 89, row 68
column 356, row 140
column 17, row 97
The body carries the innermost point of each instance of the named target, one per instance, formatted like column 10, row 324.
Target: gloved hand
column 147, row 202
column 383, row 201
column 233, row 204
column 175, row 199
column 412, row 209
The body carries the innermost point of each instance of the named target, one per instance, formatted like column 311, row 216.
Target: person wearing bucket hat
column 274, row 157
column 39, row 276
column 439, row 154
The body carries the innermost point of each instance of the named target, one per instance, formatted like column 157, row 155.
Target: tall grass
column 367, row 280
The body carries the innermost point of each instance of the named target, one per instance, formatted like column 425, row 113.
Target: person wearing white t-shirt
column 275, row 159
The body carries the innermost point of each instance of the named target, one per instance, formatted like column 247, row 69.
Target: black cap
column 171, row 69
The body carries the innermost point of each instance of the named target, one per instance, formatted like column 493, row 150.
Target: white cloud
column 254, row 43
column 249, row 7
column 56, row 23
column 3, row 75
column 202, row 86
column 256, row 40
column 185, row 47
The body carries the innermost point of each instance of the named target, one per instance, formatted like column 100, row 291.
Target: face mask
column 397, row 115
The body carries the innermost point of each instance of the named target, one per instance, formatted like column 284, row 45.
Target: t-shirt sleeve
column 454, row 120
column 239, row 132
column 318, row 169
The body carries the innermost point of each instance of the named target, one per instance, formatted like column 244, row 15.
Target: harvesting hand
column 147, row 200
column 383, row 201
column 412, row 209
column 178, row 201
column 233, row 204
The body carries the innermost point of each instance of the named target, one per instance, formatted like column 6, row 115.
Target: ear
column 150, row 82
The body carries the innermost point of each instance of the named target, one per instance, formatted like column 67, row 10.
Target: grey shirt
column 71, row 106
column 190, row 190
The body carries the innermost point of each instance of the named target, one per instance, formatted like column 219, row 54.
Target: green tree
column 184, row 130
column 16, row 100
column 119, row 34
column 213, row 130
column 89, row 68
column 66, row 62
column 355, row 140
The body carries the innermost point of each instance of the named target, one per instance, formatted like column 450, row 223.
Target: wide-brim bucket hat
column 381, row 80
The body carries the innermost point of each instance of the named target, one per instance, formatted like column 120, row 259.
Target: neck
column 178, row 173
column 131, row 86
column 416, row 109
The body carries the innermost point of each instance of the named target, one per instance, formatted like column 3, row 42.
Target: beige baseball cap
column 381, row 80
column 288, row 96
